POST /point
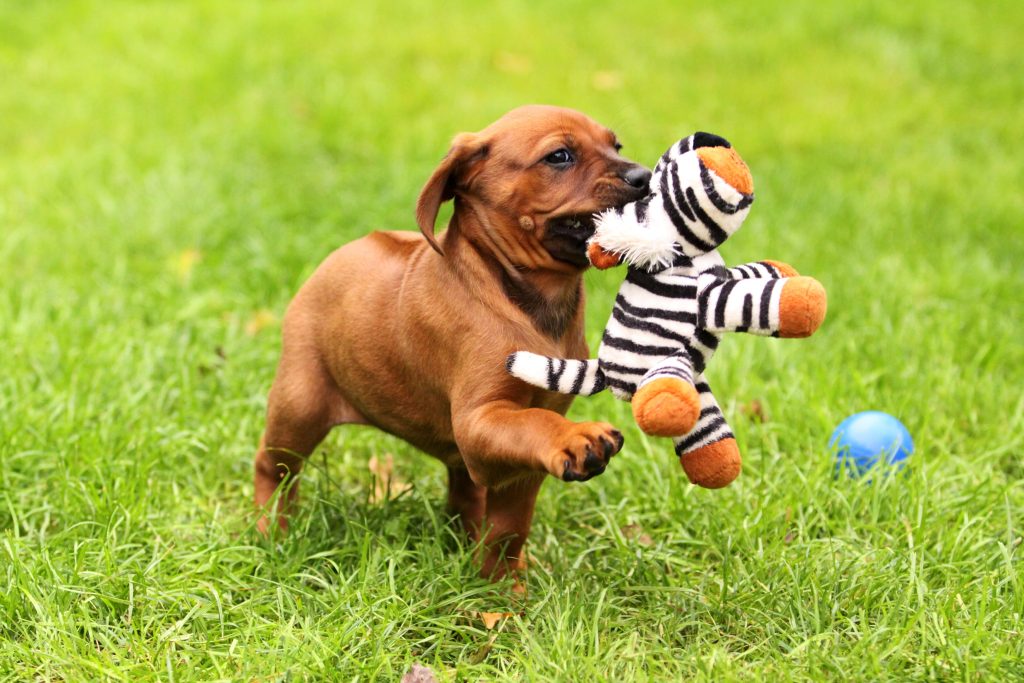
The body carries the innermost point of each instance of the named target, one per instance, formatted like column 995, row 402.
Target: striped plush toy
column 677, row 300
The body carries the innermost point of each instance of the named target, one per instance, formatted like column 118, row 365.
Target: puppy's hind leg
column 467, row 500
column 302, row 407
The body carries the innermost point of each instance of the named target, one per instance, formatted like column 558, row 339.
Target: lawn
column 170, row 172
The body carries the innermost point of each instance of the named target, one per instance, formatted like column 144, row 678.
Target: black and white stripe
column 753, row 270
column 677, row 365
column 748, row 305
column 711, row 425
column 564, row 375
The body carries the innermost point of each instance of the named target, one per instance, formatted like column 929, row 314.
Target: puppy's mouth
column 566, row 238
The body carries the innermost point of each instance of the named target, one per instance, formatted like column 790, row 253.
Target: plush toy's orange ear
column 729, row 166
column 443, row 182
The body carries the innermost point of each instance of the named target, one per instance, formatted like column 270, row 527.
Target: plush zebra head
column 700, row 193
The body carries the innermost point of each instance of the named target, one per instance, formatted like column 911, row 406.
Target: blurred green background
column 170, row 172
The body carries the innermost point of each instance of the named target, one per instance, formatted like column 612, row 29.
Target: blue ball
column 861, row 440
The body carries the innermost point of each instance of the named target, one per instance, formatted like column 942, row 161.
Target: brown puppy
column 411, row 334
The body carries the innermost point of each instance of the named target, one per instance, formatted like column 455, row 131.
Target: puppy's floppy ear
column 443, row 182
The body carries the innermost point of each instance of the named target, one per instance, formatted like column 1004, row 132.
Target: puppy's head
column 527, row 186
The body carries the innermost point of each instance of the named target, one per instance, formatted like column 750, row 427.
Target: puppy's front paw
column 586, row 451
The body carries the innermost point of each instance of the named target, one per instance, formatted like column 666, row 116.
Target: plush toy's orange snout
column 601, row 259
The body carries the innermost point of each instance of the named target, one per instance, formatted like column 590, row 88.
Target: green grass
column 170, row 172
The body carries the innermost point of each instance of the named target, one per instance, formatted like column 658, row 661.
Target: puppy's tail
column 564, row 375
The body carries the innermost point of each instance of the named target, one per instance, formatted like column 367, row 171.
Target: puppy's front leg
column 500, row 440
column 508, row 448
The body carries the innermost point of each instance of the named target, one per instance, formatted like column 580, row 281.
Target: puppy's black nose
column 637, row 176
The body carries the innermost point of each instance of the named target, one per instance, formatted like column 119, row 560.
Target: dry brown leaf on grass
column 385, row 483
column 754, row 411
column 790, row 535
column 635, row 531
column 491, row 619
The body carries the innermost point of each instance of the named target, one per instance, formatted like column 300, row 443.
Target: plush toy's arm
column 564, row 375
column 762, row 269
column 777, row 307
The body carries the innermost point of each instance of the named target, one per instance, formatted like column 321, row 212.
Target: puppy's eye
column 617, row 146
column 560, row 157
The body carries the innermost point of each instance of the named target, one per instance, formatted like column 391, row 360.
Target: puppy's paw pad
column 589, row 447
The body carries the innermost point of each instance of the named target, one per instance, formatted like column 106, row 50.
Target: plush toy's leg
column 708, row 453
column 779, row 307
column 666, row 402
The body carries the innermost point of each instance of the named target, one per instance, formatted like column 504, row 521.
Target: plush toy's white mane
column 651, row 246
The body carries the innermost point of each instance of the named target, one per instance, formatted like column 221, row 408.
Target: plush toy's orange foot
column 802, row 307
column 667, row 406
column 713, row 466
column 601, row 259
